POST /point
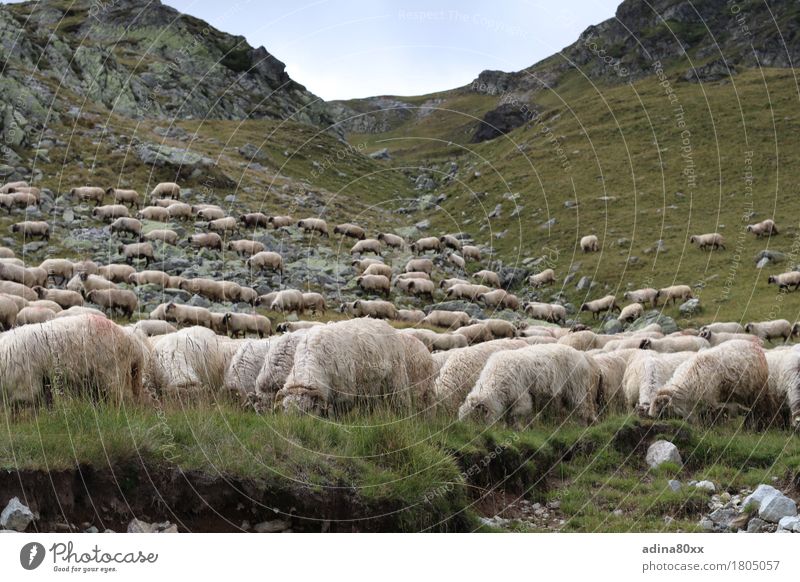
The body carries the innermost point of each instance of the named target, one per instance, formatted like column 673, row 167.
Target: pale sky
column 344, row 49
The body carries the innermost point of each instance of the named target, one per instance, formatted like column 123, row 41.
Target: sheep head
column 660, row 405
column 299, row 399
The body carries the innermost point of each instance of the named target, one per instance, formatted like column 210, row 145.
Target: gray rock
column 423, row 224
column 756, row 497
column 613, row 326
column 16, row 516
column 139, row 526
column 707, row 524
column 667, row 324
column 789, row 523
column 274, row 526
column 164, row 155
column 723, row 517
column 762, row 263
column 706, row 486
column 584, row 284
column 662, row 452
column 775, row 507
column 550, row 223
column 770, row 255
column 381, row 154
column 690, row 307
column 199, row 301
column 674, row 484
column 757, row 525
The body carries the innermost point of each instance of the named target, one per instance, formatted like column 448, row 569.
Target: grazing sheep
column 764, row 228
column 29, row 315
column 138, row 251
column 546, row 277
column 315, row 303
column 457, row 261
column 223, row 225
column 277, row 364
column 446, row 319
column 607, row 303
column 786, row 280
column 244, row 368
column 264, row 260
column 125, row 224
column 421, row 372
column 64, row 298
column 162, row 202
column 368, row 245
column 165, row 235
column 6, row 253
column 280, row 221
column 180, row 211
column 31, row 276
column 715, row 338
column 111, row 300
column 153, row 327
column 391, row 240
column 185, row 315
column 110, row 211
column 288, row 300
column 488, row 277
column 703, row 241
column 670, row 345
column 468, row 291
column 157, row 278
column 351, row 230
column 450, row 241
column 32, row 228
column 128, row 197
column 551, row 312
column 156, row 213
column 9, row 187
column 475, row 333
column 361, row 265
column 515, row 382
column 770, row 330
column 241, row 323
column 166, row 189
column 246, row 247
column 376, row 373
column 584, row 340
column 254, row 219
column 674, row 294
column 421, row 288
column 734, row 373
column 784, row 379
column 8, row 312
column 83, row 355
column 499, row 298
column 727, row 327
column 471, row 252
column 246, row 295
column 499, row 328
column 425, row 244
column 414, row 275
column 116, row 273
column 314, row 225
column 208, row 288
column 209, row 213
column 208, row 240
column 423, row 265
column 631, row 312
column 410, row 315
column 376, row 308
column 447, row 283
column 590, row 244
column 648, row 371
column 292, row 326
column 18, row 290
column 643, row 296
column 45, row 304
column 378, row 269
column 84, row 282
column 88, row 194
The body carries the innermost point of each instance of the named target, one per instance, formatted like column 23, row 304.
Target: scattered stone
column 584, row 284
column 662, row 452
column 382, row 154
column 16, row 516
column 762, row 492
column 139, row 526
column 613, row 326
column 789, row 523
column 690, row 307
column 757, row 525
column 775, row 507
column 723, row 518
column 770, row 255
column 674, row 484
column 706, row 486
column 274, row 526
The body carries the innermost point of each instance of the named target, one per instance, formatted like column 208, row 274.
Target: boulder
column 661, row 452
column 16, row 516
column 776, row 507
column 274, row 526
column 690, row 307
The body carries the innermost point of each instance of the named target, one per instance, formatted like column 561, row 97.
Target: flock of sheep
column 57, row 336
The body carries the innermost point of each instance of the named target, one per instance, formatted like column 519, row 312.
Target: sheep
column 414, row 275
column 157, row 278
column 223, row 225
column 85, row 354
column 785, row 280
column 686, row 343
column 468, row 291
column 765, row 227
column 84, row 282
column 410, row 315
column 612, row 370
column 31, row 314
column 32, row 228
column 208, row 240
column 715, row 338
column 244, row 368
column 277, row 364
column 264, row 260
column 423, row 265
column 447, row 283
column 391, row 240
column 110, row 211
column 437, row 341
column 186, row 314
column 85, row 266
column 374, row 283
column 8, row 312
column 470, row 252
column 9, row 187
column 634, row 342
column 361, row 265
column 675, row 293
column 111, row 300
column 254, row 219
column 280, row 221
column 513, row 382
column 450, row 241
column 116, row 273
column 584, row 340
column 129, row 197
column 80, row 310
column 292, row 326
column 607, row 303
column 783, row 380
column 33, row 193
column 162, row 202
column 210, row 213
column 288, row 300
column 164, row 189
column 421, row 372
column 647, row 371
column 165, row 235
column 314, row 302
column 499, row 298
column 241, row 323
column 138, row 251
column 6, row 253
column 770, row 330
column 246, row 247
column 631, row 312
column 180, row 211
column 18, row 290
column 425, row 244
column 734, row 373
column 208, row 288
column 314, row 225
column 728, row 327
column 590, row 244
column 446, row 319
column 378, row 269
column 156, row 213
column 351, row 230
column 551, row 312
column 88, row 194
column 475, row 333
column 376, row 309
column 420, row 288
column 368, row 245
column 375, row 373
column 246, row 295
column 153, row 327
column 125, row 224
column 643, row 296
column 499, row 328
column 703, row 241
column 457, row 261
column 62, row 297
column 546, row 277
column 488, row 277
column 31, row 276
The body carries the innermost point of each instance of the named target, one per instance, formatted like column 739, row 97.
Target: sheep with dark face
column 32, row 229
column 607, row 303
column 314, row 225
column 138, row 251
column 713, row 240
column 126, row 224
column 254, row 220
column 88, row 194
column 166, row 189
column 351, row 230
column 764, row 228
column 786, row 280
column 128, row 197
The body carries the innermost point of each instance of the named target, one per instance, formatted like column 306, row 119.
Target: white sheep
column 590, row 244
column 785, row 280
column 646, row 372
column 713, row 240
column 631, row 312
column 546, row 277
column 669, row 345
column 275, row 367
column 643, row 296
column 766, row 227
column 771, row 330
column 245, row 366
